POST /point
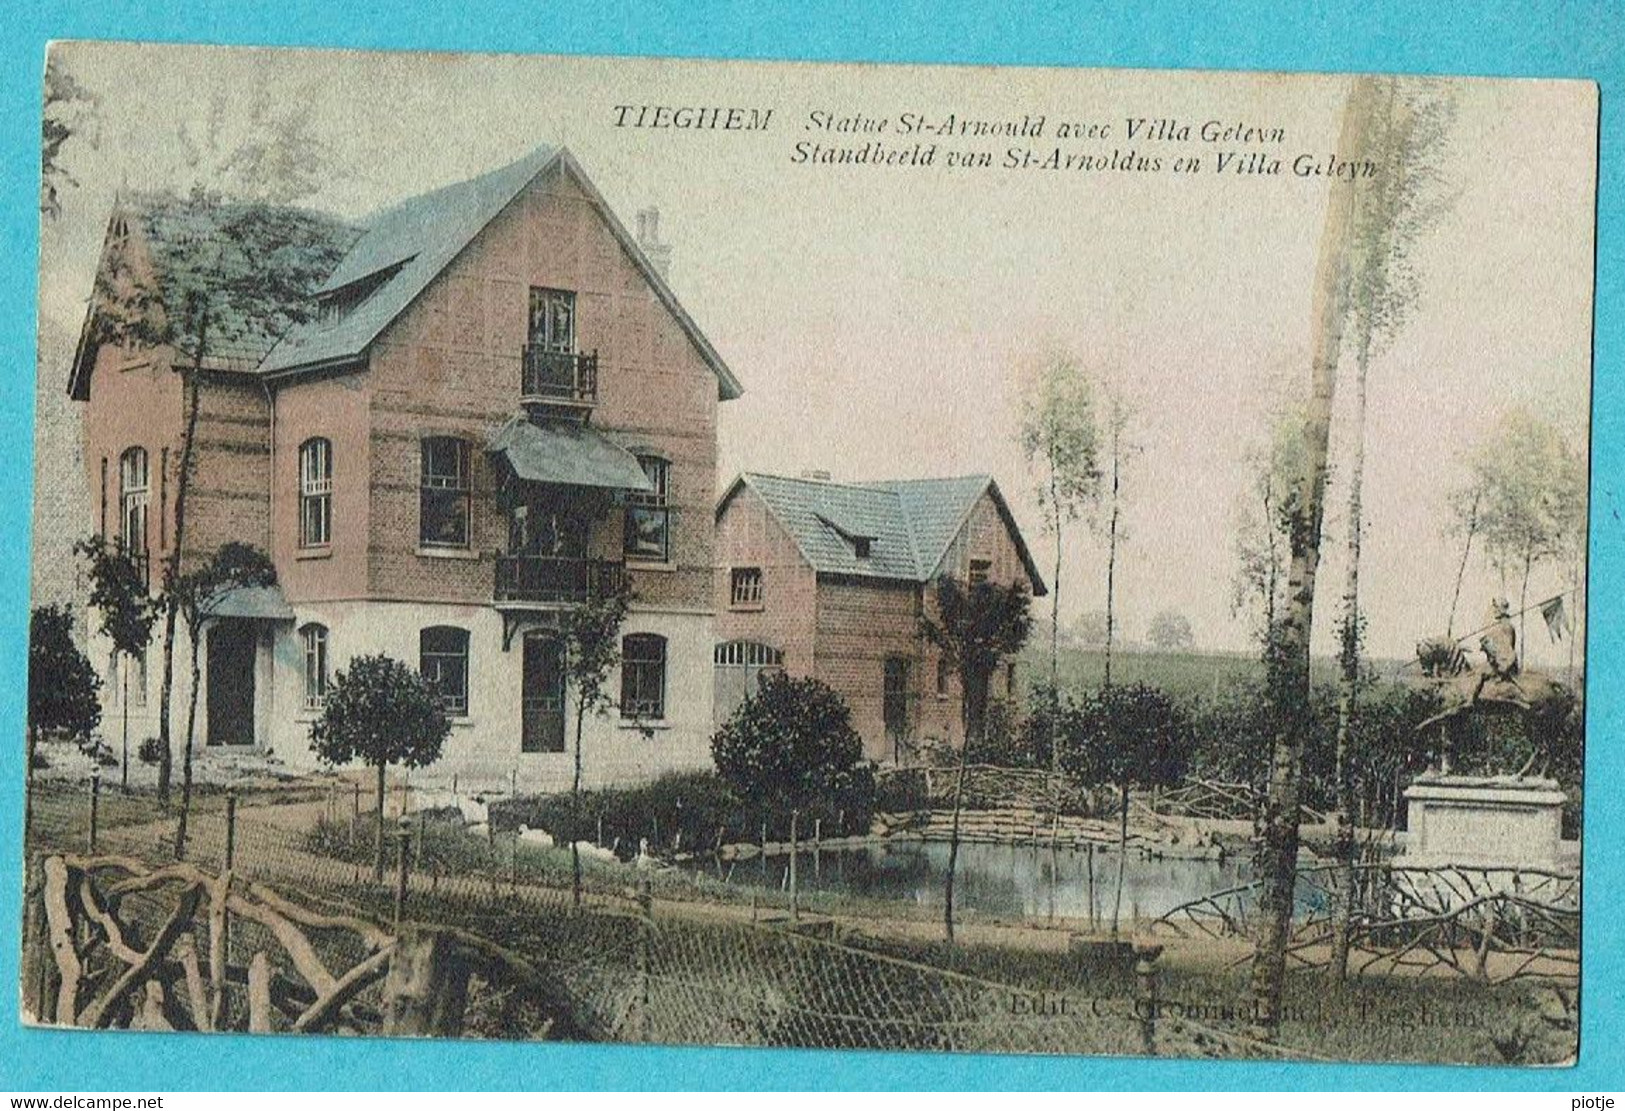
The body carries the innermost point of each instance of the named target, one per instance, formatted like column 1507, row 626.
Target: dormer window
column 861, row 542
column 334, row 305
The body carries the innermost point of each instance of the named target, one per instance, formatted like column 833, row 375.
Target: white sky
column 877, row 316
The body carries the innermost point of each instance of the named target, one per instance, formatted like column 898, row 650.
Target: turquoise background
column 1503, row 38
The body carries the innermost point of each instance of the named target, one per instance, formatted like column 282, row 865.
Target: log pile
column 114, row 942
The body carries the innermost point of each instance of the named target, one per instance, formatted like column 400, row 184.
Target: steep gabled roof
column 392, row 257
column 406, row 246
column 910, row 523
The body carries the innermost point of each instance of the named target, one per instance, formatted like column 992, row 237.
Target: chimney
column 659, row 254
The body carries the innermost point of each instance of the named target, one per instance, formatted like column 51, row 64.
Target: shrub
column 791, row 746
column 150, row 751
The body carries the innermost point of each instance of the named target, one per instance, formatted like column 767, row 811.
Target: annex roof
column 909, row 523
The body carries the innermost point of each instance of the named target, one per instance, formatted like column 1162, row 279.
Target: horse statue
column 1501, row 681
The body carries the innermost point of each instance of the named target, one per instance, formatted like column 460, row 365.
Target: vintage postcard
column 901, row 558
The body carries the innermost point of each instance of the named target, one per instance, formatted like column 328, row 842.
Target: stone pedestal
column 1484, row 822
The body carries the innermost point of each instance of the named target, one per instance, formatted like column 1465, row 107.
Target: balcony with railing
column 562, row 378
column 555, row 579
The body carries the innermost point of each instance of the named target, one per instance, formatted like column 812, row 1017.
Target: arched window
column 443, row 661
column 648, row 514
column 315, row 493
column 443, row 495
column 132, row 498
column 314, row 639
column 643, row 676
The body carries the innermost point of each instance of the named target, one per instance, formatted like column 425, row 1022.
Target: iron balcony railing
column 566, row 377
column 523, row 578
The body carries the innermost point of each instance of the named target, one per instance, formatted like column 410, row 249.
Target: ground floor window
column 643, row 676
column 314, row 638
column 443, row 661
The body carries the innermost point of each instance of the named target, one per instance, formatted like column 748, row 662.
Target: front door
column 231, row 683
column 894, row 704
column 542, row 695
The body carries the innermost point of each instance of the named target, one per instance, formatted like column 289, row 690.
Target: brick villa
column 830, row 580
column 467, row 410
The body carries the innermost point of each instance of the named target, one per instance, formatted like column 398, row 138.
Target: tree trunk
column 575, row 812
column 1523, row 605
column 1343, row 849
column 28, row 789
column 172, row 565
column 1111, row 547
column 124, row 712
column 195, row 629
column 1122, row 853
column 1055, row 633
column 1278, row 849
column 378, row 840
column 1461, row 568
column 953, row 846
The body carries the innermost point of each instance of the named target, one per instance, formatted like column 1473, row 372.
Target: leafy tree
column 1126, row 736
column 68, row 114
column 1171, row 631
column 380, row 712
column 62, row 684
column 1059, row 436
column 1089, row 629
column 196, row 595
column 249, row 275
column 591, row 635
column 975, row 627
column 118, row 594
column 791, row 747
column 1525, row 498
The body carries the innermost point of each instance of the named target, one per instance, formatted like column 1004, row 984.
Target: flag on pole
column 1557, row 619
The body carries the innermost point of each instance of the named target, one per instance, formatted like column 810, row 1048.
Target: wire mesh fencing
column 628, row 958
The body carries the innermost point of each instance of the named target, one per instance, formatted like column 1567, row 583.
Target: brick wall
column 451, row 365
column 748, row 535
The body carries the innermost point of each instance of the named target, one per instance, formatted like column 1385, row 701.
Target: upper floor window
column 979, row 570
column 553, row 319
column 132, row 496
column 444, row 494
column 314, row 638
column 643, row 676
column 443, row 662
column 315, row 493
column 745, row 589
column 648, row 514
column 944, row 675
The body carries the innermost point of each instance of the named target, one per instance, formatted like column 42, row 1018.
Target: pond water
column 1000, row 880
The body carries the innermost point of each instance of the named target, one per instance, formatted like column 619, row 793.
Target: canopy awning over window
column 263, row 603
column 563, row 453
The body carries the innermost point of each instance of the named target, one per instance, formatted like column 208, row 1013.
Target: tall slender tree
column 197, row 596
column 1120, row 447
column 591, row 635
column 118, row 594
column 975, row 627
column 1060, row 438
column 1408, row 133
column 1278, row 848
